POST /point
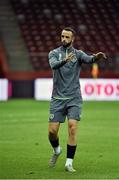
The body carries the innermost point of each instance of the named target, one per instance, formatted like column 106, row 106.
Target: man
column 66, row 100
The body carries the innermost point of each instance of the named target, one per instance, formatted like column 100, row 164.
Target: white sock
column 57, row 149
column 69, row 161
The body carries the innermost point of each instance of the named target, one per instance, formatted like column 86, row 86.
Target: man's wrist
column 65, row 60
column 95, row 58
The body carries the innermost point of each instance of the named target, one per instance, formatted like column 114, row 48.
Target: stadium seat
column 41, row 21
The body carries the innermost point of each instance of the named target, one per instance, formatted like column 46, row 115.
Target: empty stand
column 96, row 23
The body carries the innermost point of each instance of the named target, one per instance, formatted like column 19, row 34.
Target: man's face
column 66, row 38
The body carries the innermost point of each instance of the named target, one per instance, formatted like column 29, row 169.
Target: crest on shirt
column 51, row 116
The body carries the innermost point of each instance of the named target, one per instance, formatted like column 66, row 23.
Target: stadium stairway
column 17, row 55
column 96, row 23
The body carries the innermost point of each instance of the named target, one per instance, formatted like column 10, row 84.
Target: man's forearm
column 57, row 64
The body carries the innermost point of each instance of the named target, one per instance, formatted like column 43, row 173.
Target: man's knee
column 52, row 134
column 72, row 127
column 72, row 130
column 53, row 130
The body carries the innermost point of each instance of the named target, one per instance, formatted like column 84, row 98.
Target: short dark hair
column 70, row 29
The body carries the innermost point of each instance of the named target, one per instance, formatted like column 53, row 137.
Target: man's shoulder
column 56, row 50
column 78, row 50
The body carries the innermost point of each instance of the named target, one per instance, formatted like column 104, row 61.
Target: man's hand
column 100, row 55
column 69, row 57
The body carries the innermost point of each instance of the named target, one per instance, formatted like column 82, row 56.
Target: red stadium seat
column 41, row 21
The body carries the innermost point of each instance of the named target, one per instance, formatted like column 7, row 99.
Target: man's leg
column 54, row 141
column 72, row 143
column 53, row 134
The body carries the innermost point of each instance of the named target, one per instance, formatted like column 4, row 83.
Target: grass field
column 25, row 150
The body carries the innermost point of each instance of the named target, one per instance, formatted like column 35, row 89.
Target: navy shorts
column 60, row 109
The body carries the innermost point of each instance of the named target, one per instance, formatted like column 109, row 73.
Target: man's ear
column 73, row 39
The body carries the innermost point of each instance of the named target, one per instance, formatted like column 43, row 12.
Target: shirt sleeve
column 85, row 58
column 54, row 61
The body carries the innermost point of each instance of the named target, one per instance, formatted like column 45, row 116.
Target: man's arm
column 91, row 58
column 55, row 63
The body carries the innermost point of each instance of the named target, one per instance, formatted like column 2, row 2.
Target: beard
column 65, row 44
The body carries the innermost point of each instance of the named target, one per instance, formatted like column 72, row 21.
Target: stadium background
column 29, row 29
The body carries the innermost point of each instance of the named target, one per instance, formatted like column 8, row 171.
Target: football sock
column 70, row 154
column 68, row 161
column 57, row 149
column 55, row 145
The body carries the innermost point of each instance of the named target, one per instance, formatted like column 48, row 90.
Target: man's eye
column 65, row 36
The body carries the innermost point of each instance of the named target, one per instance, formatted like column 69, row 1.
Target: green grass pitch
column 25, row 150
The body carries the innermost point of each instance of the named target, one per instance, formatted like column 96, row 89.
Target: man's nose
column 64, row 39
